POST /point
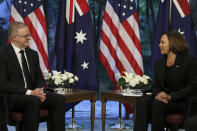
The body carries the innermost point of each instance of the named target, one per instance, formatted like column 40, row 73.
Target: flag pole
column 170, row 12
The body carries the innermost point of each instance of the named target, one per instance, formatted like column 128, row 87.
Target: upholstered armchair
column 16, row 118
column 176, row 120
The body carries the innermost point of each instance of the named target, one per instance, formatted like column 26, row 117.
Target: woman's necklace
column 171, row 59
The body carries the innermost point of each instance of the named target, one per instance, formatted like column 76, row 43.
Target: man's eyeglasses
column 25, row 36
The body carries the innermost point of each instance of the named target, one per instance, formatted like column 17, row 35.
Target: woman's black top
column 169, row 85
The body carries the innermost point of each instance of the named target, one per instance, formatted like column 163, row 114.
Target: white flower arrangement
column 132, row 80
column 58, row 79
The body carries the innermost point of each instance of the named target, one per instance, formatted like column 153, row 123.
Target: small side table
column 78, row 95
column 116, row 95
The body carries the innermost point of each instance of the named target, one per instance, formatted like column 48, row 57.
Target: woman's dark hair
column 177, row 42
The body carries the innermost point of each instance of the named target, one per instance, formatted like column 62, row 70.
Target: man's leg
column 30, row 107
column 191, row 123
column 55, row 103
column 3, row 125
column 142, row 113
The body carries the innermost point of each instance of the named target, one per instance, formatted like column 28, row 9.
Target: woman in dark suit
column 175, row 78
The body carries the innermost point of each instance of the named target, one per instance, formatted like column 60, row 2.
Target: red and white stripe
column 183, row 7
column 70, row 11
column 36, row 23
column 81, row 6
column 120, row 48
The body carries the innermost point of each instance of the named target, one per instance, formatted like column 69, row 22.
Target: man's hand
column 39, row 93
column 162, row 96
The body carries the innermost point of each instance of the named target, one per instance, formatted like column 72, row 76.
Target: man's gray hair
column 13, row 28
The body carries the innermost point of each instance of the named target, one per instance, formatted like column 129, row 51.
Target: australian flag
column 75, row 48
column 179, row 19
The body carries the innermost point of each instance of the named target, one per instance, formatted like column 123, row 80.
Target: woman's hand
column 162, row 96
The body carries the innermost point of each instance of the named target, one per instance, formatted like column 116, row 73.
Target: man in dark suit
column 21, row 77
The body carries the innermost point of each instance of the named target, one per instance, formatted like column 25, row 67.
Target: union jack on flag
column 120, row 47
column 31, row 13
column 80, row 5
column 177, row 18
column 181, row 21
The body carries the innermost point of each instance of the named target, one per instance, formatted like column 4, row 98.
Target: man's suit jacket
column 184, row 76
column 11, row 78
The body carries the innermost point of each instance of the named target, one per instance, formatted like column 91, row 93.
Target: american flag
column 120, row 48
column 75, row 48
column 31, row 13
column 174, row 15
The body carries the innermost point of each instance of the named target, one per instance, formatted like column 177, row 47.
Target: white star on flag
column 85, row 65
column 182, row 32
column 162, row 1
column 80, row 37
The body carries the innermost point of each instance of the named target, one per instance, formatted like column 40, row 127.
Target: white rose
column 76, row 78
column 55, row 77
column 71, row 80
column 70, row 75
column 132, row 74
column 66, row 73
column 138, row 76
column 56, row 73
column 146, row 77
column 64, row 77
column 132, row 83
column 136, row 80
column 141, row 79
column 145, row 82
column 58, row 81
column 130, row 77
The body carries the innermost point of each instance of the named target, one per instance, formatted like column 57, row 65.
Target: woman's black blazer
column 184, row 76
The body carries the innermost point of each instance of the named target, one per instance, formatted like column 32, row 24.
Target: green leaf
column 121, row 82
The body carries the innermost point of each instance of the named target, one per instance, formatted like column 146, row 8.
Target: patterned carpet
column 82, row 116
